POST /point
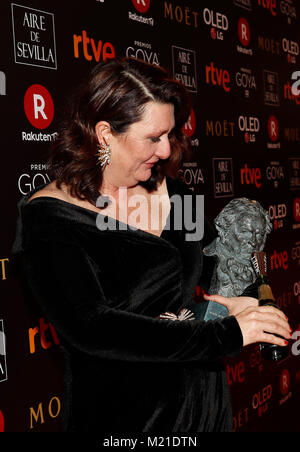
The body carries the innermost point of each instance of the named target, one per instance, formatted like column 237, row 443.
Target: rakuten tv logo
column 273, row 133
column 190, row 126
column 296, row 209
column 2, row 423
column 39, row 106
column 244, row 32
column 141, row 5
column 244, row 35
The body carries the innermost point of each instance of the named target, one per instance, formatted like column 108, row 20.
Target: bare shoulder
column 50, row 190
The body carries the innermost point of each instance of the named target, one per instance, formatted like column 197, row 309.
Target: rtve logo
column 251, row 176
column 39, row 106
column 141, row 5
column 268, row 4
column 219, row 77
column 101, row 51
column 279, row 260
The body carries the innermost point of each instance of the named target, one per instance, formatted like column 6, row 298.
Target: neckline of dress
column 128, row 227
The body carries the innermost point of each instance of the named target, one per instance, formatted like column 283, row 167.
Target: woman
column 121, row 297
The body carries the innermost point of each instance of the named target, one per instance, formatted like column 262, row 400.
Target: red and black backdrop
column 237, row 58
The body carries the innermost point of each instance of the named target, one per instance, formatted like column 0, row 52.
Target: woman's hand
column 257, row 323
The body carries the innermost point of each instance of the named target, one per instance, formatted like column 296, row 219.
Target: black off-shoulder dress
column 126, row 369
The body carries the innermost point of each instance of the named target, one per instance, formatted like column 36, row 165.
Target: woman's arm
column 63, row 281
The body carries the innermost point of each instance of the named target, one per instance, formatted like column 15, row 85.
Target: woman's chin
column 145, row 175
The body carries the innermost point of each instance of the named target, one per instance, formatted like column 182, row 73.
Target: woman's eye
column 155, row 139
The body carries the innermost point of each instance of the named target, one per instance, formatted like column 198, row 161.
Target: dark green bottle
column 266, row 298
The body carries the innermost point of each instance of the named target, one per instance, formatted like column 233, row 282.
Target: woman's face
column 134, row 153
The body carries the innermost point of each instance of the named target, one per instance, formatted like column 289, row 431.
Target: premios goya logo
column 34, row 37
column 3, row 366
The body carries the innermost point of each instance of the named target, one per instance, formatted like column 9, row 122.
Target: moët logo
column 39, row 106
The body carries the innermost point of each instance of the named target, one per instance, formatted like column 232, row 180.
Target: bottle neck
column 264, row 289
column 262, row 279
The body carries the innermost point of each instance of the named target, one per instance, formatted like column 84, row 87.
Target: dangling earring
column 104, row 153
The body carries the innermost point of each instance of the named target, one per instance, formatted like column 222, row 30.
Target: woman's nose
column 164, row 149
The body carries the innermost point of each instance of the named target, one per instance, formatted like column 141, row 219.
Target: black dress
column 126, row 369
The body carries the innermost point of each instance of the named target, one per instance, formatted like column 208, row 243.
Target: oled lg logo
column 291, row 48
column 2, row 84
column 218, row 23
column 3, row 367
column 277, row 214
column 250, row 126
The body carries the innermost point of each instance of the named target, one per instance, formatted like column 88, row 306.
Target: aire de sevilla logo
column 39, row 106
column 141, row 5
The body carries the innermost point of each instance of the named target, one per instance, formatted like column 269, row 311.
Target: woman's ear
column 103, row 132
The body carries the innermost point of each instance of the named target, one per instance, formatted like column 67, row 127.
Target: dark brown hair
column 115, row 91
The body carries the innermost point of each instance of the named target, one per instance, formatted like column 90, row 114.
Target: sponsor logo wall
column 237, row 59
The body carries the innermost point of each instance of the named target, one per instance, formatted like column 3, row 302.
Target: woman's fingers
column 263, row 324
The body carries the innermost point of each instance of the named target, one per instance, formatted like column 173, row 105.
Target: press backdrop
column 237, row 58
